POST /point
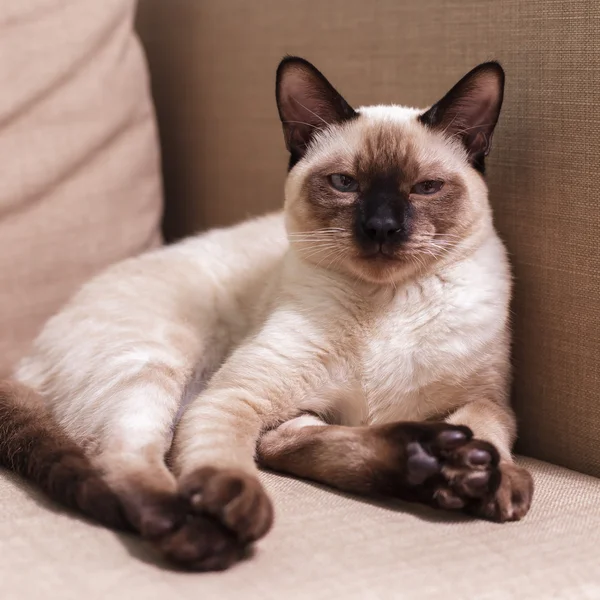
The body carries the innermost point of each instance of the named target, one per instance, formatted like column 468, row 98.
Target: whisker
column 328, row 250
column 325, row 257
column 310, row 245
column 436, row 237
column 336, row 259
column 315, row 239
column 320, row 247
column 442, row 234
column 331, row 235
column 416, row 261
column 315, row 243
column 324, row 230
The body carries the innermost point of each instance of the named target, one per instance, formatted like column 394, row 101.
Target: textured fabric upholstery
column 323, row 546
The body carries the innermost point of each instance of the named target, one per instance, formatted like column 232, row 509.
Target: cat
column 360, row 339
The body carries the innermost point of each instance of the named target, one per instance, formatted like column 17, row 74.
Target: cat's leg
column 258, row 387
column 112, row 365
column 412, row 461
column 437, row 463
column 118, row 467
column 131, row 447
column 131, row 456
column 213, row 455
column 119, row 477
column 494, row 422
column 116, row 395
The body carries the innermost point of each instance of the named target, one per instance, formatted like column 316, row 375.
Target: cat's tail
column 33, row 445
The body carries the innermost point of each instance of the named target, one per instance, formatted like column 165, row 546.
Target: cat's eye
column 343, row 183
column 426, row 188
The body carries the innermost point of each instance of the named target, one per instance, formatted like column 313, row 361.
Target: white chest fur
column 424, row 349
column 407, row 354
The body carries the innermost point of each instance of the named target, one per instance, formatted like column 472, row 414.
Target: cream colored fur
column 257, row 331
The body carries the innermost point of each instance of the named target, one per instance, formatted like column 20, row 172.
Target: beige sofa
column 81, row 190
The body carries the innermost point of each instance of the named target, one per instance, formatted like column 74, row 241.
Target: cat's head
column 382, row 192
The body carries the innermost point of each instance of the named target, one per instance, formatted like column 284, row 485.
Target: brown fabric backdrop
column 213, row 66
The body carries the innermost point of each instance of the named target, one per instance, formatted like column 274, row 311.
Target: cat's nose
column 382, row 229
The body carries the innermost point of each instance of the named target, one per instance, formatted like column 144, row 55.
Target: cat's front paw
column 442, row 465
column 467, row 474
column 237, row 499
column 512, row 500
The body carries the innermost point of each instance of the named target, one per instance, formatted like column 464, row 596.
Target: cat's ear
column 307, row 103
column 470, row 110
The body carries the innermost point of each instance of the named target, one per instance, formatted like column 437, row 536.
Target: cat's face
column 384, row 191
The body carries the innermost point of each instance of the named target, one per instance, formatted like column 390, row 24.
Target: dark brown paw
column 208, row 524
column 234, row 497
column 468, row 474
column 201, row 544
column 442, row 465
column 512, row 500
column 187, row 540
column 156, row 515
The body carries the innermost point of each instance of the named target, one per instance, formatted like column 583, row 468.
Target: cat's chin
column 381, row 269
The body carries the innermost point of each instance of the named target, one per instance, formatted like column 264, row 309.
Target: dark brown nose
column 382, row 228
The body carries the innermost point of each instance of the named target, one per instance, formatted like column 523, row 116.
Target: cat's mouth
column 379, row 264
column 381, row 254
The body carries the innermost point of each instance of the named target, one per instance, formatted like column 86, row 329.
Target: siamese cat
column 360, row 339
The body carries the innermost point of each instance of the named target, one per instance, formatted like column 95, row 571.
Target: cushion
column 324, row 545
column 80, row 183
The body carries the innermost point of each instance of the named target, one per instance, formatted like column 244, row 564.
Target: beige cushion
column 80, row 183
column 324, row 545
column 213, row 71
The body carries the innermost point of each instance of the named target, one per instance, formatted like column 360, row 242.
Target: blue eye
column 426, row 188
column 343, row 183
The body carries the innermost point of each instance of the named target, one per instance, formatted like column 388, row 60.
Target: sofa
column 121, row 125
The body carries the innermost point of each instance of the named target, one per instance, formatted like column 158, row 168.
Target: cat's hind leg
column 130, row 448
column 116, row 473
column 131, row 456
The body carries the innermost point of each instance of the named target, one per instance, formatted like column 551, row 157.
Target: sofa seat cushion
column 324, row 545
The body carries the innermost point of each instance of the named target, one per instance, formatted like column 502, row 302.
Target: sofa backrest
column 213, row 78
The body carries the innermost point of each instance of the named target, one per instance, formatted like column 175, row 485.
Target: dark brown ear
column 307, row 103
column 470, row 110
